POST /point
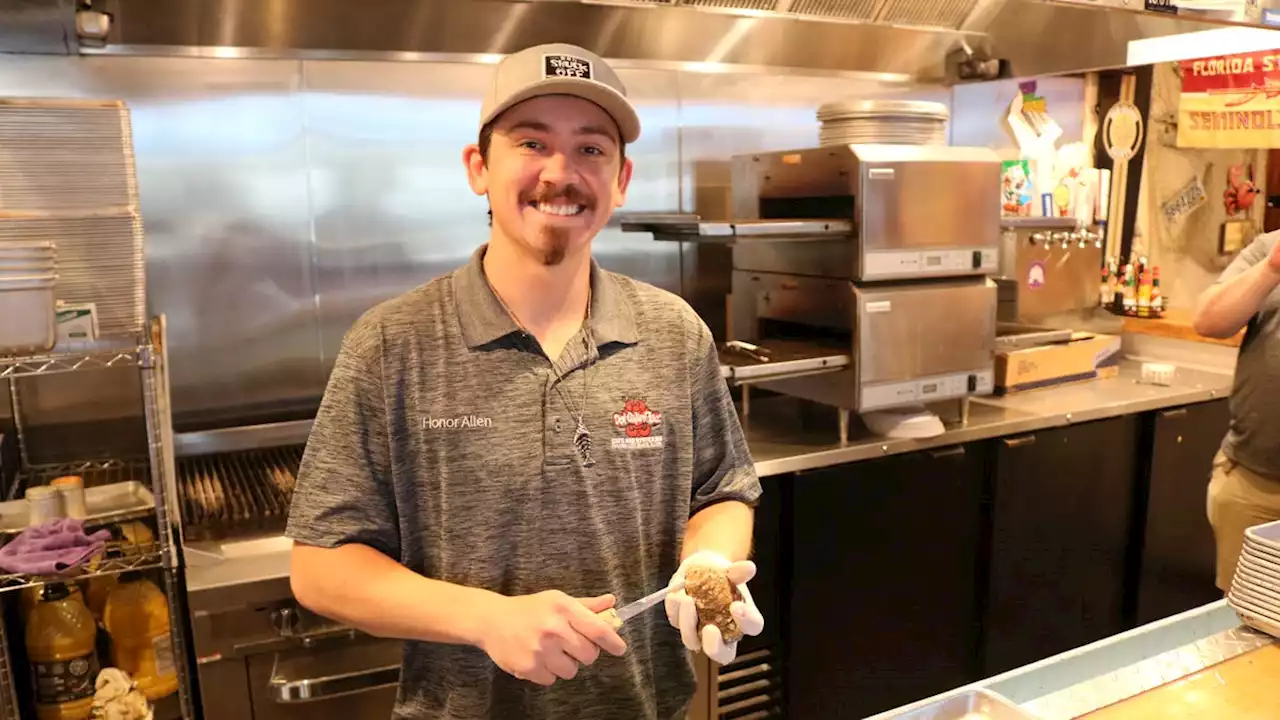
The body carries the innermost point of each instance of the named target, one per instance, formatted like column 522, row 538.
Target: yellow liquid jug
column 137, row 619
column 60, row 639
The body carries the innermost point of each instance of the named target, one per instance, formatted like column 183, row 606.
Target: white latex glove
column 683, row 614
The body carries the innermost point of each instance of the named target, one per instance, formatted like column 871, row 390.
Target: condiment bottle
column 61, row 643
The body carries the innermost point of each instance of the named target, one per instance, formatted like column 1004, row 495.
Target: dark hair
column 486, row 137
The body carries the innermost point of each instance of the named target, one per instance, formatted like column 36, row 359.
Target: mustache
column 546, row 192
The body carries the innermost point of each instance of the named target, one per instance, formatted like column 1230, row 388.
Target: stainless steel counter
column 1080, row 681
column 788, row 436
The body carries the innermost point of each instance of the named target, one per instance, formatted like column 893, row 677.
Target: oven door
column 356, row 679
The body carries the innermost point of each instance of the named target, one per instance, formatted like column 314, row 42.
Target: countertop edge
column 1114, row 668
column 866, row 450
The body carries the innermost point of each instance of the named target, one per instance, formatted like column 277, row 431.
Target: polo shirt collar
column 483, row 318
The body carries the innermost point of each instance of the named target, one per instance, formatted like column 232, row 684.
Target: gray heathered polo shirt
column 1253, row 439
column 443, row 442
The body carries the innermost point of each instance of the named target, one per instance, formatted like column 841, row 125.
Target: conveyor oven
column 859, row 272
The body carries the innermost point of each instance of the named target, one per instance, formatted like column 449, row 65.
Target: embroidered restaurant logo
column 637, row 421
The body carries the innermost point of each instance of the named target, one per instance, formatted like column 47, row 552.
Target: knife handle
column 610, row 616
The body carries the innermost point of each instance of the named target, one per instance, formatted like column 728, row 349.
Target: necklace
column 581, row 435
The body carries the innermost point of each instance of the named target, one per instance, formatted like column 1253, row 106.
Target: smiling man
column 506, row 451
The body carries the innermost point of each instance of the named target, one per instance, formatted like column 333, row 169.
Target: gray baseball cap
column 559, row 69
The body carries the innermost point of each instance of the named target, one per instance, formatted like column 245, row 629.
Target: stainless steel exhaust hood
column 918, row 39
column 43, row 27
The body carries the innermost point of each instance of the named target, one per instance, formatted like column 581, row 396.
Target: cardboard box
column 1085, row 356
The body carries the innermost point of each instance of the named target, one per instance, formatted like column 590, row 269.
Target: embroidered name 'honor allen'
column 461, row 421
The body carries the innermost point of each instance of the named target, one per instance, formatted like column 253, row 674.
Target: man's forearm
column 1225, row 308
column 724, row 528
column 359, row 586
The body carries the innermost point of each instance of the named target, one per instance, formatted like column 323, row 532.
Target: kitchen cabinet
column 1178, row 556
column 884, row 584
column 1061, row 526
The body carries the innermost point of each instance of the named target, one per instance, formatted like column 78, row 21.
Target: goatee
column 556, row 244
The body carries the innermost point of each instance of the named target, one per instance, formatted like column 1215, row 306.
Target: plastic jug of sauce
column 61, row 642
column 137, row 618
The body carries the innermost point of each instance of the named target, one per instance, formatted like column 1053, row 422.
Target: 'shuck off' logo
column 637, row 421
column 565, row 66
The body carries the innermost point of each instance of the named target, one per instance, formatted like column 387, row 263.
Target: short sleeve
column 1256, row 252
column 722, row 465
column 345, row 492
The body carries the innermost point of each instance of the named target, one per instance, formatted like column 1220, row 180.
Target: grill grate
column 235, row 493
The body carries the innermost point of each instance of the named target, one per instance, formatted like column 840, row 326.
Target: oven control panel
column 927, row 390
column 897, row 264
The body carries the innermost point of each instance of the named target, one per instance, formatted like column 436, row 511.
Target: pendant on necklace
column 582, row 441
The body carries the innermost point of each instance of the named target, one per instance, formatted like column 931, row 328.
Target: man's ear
column 624, row 181
column 477, row 171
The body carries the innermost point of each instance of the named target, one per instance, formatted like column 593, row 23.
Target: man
column 505, row 451
column 1245, row 486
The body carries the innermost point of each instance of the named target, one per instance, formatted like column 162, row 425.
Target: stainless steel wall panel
column 221, row 165
column 223, row 177
column 390, row 202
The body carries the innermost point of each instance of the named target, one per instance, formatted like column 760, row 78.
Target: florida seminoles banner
column 1230, row 101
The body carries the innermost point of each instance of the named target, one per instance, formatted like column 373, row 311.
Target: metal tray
column 783, row 359
column 691, row 228
column 104, row 504
column 972, row 705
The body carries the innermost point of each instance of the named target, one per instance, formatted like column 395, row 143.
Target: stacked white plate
column 28, row 282
column 1255, row 589
column 894, row 122
column 65, row 155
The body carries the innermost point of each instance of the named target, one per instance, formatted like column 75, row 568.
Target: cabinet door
column 883, row 588
column 1178, row 550
column 1060, row 537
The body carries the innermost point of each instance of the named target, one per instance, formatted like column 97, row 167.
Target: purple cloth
column 51, row 548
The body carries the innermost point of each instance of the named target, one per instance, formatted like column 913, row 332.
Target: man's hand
column 683, row 614
column 548, row 636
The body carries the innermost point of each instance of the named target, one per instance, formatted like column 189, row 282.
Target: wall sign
column 1122, row 131
column 1186, row 201
column 1230, row 101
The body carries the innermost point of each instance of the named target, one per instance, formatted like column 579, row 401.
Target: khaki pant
column 1238, row 499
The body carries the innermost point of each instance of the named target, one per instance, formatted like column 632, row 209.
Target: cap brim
column 609, row 100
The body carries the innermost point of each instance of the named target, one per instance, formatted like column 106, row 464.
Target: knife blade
column 630, row 610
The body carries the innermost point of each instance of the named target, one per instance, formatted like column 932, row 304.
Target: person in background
column 1244, row 489
column 505, row 452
